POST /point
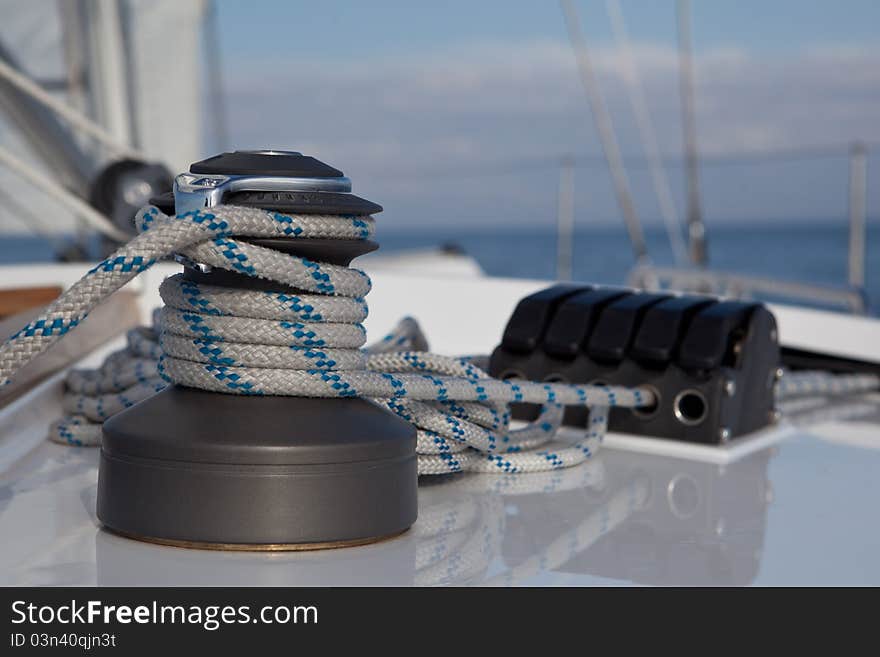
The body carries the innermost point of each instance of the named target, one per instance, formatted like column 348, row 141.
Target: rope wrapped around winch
column 308, row 344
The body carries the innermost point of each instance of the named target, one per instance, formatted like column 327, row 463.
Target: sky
column 457, row 112
column 341, row 30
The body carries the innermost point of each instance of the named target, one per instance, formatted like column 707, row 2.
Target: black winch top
column 289, row 164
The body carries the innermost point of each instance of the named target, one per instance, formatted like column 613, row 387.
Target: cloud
column 404, row 126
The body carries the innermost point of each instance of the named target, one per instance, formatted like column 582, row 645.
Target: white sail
column 165, row 48
column 133, row 67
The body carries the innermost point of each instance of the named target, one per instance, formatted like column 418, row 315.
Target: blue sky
column 420, row 101
column 336, row 29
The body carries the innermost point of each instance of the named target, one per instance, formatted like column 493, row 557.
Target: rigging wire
column 696, row 227
column 605, row 129
column 647, row 133
column 513, row 166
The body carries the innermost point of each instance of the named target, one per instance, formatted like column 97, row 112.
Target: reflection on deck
column 624, row 516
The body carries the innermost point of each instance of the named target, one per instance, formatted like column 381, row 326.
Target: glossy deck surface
column 800, row 512
column 799, row 508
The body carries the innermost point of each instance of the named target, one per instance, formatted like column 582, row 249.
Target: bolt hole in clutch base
column 199, row 469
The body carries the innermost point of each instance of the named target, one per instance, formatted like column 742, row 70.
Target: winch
column 259, row 471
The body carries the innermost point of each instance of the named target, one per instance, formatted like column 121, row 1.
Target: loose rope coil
column 307, row 344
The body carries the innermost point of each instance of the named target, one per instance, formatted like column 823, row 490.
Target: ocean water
column 807, row 252
column 815, row 253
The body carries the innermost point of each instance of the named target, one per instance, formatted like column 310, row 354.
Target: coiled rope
column 305, row 344
column 310, row 344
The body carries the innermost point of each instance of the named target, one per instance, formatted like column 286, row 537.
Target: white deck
column 797, row 506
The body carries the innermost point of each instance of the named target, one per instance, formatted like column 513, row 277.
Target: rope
column 310, row 344
column 307, row 344
column 810, row 382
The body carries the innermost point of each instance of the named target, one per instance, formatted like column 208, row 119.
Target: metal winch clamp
column 712, row 364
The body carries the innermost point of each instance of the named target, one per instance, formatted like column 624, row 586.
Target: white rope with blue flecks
column 250, row 342
column 817, row 382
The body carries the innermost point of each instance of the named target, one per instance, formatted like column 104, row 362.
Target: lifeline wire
column 299, row 344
